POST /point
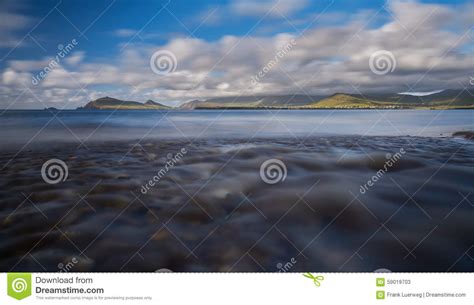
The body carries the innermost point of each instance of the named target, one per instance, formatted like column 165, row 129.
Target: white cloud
column 10, row 25
column 29, row 65
column 75, row 58
column 125, row 33
column 429, row 55
column 272, row 8
column 236, row 9
column 16, row 80
column 223, row 86
column 421, row 93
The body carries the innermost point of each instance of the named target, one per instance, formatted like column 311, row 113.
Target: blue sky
column 99, row 40
column 220, row 44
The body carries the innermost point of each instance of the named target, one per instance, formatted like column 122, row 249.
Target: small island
column 109, row 103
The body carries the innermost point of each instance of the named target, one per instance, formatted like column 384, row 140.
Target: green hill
column 340, row 100
column 109, row 103
column 442, row 100
column 446, row 99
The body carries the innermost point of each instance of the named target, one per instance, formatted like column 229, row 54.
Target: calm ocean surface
column 19, row 127
column 325, row 212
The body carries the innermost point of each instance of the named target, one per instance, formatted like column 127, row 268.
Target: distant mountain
column 341, row 100
column 442, row 100
column 191, row 105
column 153, row 103
column 109, row 103
column 446, row 99
column 272, row 101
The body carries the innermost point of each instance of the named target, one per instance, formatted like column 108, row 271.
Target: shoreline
column 240, row 108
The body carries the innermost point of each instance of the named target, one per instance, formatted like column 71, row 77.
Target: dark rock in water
column 333, row 206
column 465, row 134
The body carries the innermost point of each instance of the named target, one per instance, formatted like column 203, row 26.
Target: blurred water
column 36, row 126
column 419, row 199
column 235, row 212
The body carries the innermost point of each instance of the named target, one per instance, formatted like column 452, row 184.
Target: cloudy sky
column 66, row 53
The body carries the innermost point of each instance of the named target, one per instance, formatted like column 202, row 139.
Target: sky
column 66, row 53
